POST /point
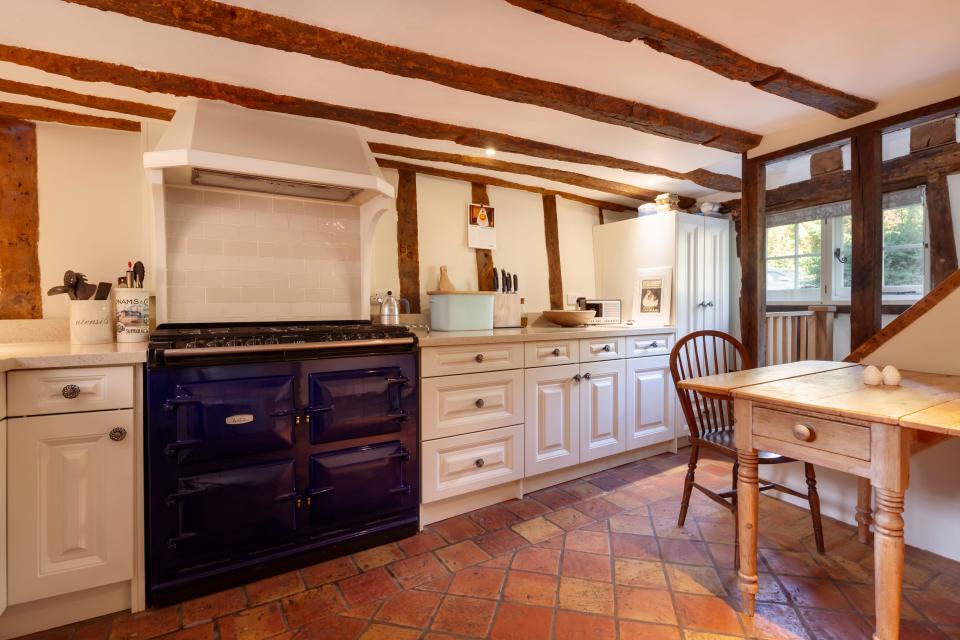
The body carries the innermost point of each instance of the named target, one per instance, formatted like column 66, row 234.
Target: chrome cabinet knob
column 117, row 434
column 70, row 391
column 479, row 357
column 576, row 378
column 586, row 376
column 804, row 432
column 478, row 463
column 479, row 403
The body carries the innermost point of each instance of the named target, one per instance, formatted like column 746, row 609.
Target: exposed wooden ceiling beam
column 624, row 20
column 557, row 175
column 84, row 100
column 276, row 32
column 45, row 114
column 171, row 83
column 387, row 163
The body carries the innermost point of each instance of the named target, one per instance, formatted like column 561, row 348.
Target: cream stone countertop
column 531, row 334
column 46, row 355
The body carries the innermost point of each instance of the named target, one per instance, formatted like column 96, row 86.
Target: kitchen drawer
column 461, row 464
column 594, row 349
column 650, row 345
column 472, row 358
column 43, row 391
column 840, row 438
column 454, row 405
column 542, row 354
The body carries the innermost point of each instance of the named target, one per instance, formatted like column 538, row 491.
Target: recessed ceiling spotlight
column 490, row 151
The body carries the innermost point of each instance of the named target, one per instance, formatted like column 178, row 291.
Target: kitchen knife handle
column 516, row 283
column 496, row 280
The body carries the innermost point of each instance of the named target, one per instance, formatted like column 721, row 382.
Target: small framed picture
column 481, row 227
column 651, row 297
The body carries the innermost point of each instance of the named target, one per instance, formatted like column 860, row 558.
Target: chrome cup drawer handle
column 117, row 434
column 70, row 391
column 479, row 403
column 804, row 432
column 478, row 463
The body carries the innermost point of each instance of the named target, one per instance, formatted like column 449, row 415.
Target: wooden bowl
column 569, row 318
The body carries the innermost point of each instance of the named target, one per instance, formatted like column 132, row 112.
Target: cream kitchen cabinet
column 602, row 407
column 552, row 422
column 71, row 515
column 649, row 401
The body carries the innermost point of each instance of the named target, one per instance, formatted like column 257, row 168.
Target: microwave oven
column 607, row 311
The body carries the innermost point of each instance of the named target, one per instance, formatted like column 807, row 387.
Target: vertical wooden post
column 19, row 221
column 943, row 246
column 408, row 242
column 600, row 212
column 823, row 316
column 753, row 291
column 478, row 195
column 552, row 235
column 867, row 212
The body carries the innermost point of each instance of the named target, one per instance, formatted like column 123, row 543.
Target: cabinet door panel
column 716, row 276
column 689, row 277
column 71, row 516
column 552, row 432
column 649, row 402
column 602, row 406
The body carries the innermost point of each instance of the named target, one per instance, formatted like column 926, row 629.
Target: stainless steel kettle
column 390, row 309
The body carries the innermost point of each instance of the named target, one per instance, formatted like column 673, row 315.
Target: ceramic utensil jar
column 132, row 314
column 91, row 322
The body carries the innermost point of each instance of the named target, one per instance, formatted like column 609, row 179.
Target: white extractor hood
column 216, row 144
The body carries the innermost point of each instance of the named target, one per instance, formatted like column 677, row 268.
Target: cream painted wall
column 521, row 247
column 91, row 206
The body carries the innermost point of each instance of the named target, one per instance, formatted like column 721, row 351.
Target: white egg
column 891, row 376
column 872, row 376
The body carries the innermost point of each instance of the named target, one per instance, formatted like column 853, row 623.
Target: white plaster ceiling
column 873, row 48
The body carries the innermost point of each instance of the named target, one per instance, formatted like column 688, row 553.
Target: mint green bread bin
column 461, row 311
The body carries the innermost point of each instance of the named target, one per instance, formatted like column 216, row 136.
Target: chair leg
column 688, row 483
column 814, row 499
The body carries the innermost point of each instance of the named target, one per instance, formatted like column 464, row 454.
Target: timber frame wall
column 934, row 154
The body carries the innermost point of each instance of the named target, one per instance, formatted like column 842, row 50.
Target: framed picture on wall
column 481, row 227
column 652, row 289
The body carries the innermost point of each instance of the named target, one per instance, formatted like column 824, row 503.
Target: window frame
column 796, row 295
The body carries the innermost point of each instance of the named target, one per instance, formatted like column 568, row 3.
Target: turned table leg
column 748, row 502
column 864, row 509
column 888, row 547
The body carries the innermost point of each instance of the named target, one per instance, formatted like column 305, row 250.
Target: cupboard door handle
column 709, row 304
column 479, row 357
column 586, row 376
column 576, row 378
column 804, row 432
column 556, row 352
column 654, row 345
column 70, row 391
column 479, row 403
column 117, row 434
column 606, row 348
column 478, row 463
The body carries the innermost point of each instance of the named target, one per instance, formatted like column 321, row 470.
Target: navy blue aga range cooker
column 272, row 446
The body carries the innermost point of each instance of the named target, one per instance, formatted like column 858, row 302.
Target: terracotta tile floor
column 597, row 558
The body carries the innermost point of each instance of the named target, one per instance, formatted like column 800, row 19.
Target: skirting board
column 443, row 509
column 30, row 617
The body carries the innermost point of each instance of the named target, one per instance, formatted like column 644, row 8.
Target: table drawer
column 840, row 438
column 453, row 405
column 649, row 345
column 594, row 349
column 461, row 464
column 472, row 358
column 43, row 391
column 543, row 354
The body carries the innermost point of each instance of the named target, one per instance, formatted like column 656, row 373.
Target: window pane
column 781, row 274
column 903, row 226
column 903, row 268
column 808, row 237
column 781, row 240
column 808, row 272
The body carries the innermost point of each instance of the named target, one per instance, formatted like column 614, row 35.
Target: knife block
column 506, row 310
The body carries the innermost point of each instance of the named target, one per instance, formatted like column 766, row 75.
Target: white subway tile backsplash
column 235, row 256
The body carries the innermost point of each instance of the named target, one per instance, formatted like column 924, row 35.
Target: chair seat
column 723, row 440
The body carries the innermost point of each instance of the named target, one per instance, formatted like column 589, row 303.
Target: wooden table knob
column 804, row 432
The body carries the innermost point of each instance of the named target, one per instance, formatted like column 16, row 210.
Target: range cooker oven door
column 218, row 419
column 233, row 511
column 355, row 403
column 359, row 485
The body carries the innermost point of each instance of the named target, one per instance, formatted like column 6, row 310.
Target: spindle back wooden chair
column 710, row 421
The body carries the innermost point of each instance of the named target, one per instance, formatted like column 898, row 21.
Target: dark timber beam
column 19, row 221
column 753, row 290
column 477, row 178
column 83, row 100
column 866, row 208
column 478, row 195
column 179, row 85
column 45, row 114
column 408, row 241
column 626, row 21
column 556, row 175
column 276, row 32
column 943, row 246
column 552, row 235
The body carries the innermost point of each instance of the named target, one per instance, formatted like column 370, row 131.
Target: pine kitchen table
column 822, row 413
